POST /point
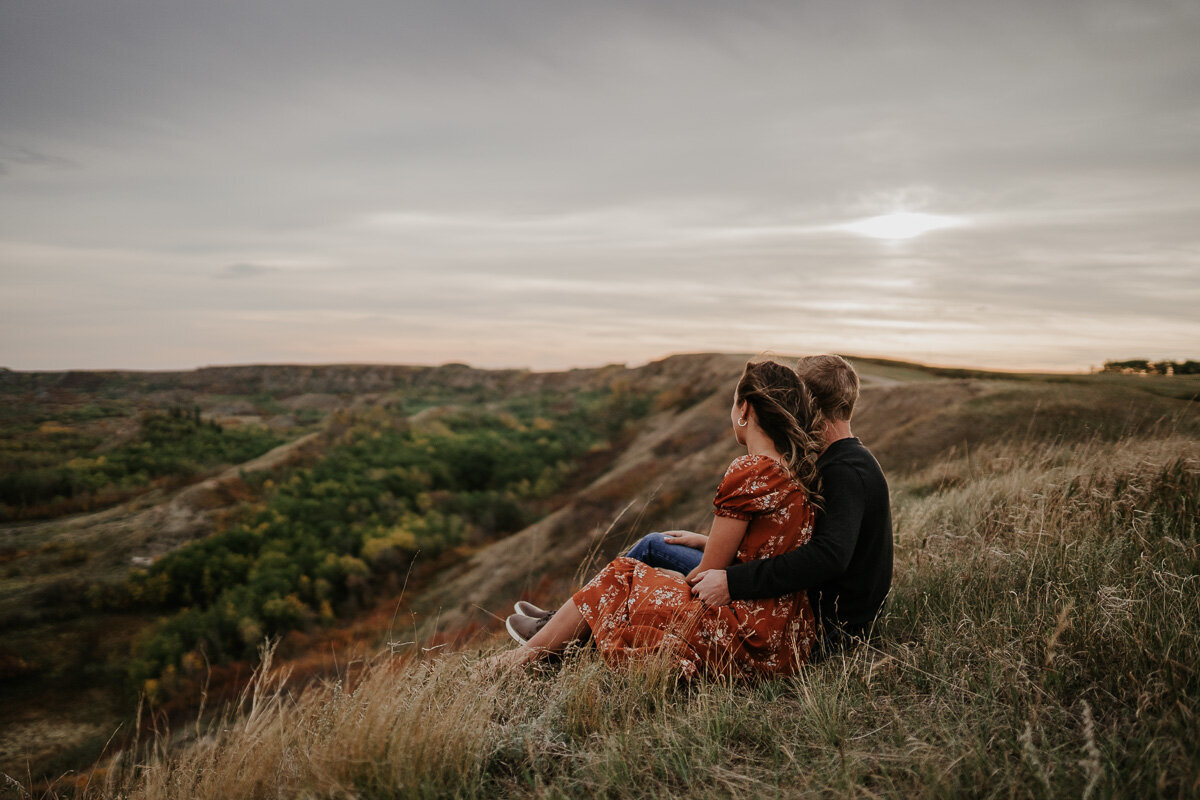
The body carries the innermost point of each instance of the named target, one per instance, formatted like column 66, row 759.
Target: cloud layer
column 551, row 184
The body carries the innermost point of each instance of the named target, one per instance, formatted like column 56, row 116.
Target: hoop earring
column 742, row 422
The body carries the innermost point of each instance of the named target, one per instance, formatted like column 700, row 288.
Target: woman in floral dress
column 763, row 506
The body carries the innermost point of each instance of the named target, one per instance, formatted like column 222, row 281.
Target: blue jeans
column 652, row 549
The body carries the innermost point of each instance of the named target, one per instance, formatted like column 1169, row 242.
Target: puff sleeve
column 752, row 485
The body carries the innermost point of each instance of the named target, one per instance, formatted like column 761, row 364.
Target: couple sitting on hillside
column 796, row 565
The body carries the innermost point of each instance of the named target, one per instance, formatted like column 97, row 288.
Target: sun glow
column 900, row 225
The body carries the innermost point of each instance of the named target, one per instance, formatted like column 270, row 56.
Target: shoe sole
column 508, row 627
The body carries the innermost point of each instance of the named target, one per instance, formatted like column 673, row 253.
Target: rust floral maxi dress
column 636, row 611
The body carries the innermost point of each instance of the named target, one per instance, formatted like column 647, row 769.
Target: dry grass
column 1040, row 642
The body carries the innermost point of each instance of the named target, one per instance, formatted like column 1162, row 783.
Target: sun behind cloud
column 900, row 225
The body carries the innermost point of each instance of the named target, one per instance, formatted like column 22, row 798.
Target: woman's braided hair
column 788, row 413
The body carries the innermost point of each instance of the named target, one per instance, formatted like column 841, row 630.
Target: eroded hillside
column 665, row 477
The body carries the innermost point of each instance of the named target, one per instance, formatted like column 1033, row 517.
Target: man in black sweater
column 847, row 565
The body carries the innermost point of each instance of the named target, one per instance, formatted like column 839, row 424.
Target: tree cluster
column 1142, row 366
column 173, row 445
column 323, row 542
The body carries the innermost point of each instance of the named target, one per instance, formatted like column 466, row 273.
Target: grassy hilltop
column 1039, row 639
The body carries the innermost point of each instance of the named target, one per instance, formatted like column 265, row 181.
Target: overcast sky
column 553, row 184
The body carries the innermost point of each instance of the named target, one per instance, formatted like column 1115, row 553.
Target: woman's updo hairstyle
column 788, row 413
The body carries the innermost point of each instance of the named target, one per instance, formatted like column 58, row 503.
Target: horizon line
column 525, row 368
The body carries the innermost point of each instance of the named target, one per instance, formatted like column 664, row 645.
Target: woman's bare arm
column 723, row 541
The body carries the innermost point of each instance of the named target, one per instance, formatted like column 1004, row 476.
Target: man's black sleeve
column 826, row 555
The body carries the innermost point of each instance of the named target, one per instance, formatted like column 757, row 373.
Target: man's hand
column 712, row 587
column 686, row 538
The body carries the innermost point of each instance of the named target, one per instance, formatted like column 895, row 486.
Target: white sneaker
column 522, row 628
column 530, row 610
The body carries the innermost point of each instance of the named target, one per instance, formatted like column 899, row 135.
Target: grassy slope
column 1038, row 643
column 999, row 528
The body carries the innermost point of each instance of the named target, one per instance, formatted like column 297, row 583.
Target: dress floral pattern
column 636, row 611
